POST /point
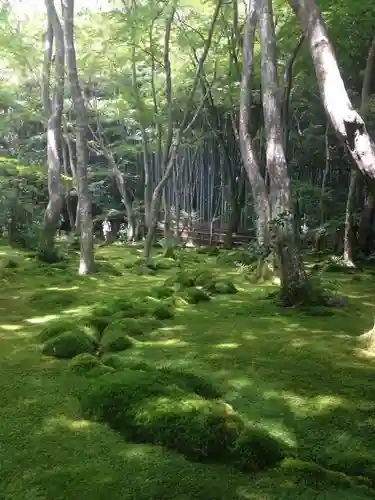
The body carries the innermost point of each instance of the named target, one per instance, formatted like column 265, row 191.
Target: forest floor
column 301, row 376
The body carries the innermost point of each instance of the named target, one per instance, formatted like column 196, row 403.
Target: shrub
column 187, row 278
column 69, row 344
column 83, row 363
column 162, row 292
column 152, row 407
column 223, row 287
column 112, row 340
column 194, row 295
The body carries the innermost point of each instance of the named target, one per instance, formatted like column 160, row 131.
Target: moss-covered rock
column 83, row 363
column 154, row 407
column 113, row 340
column 194, row 295
column 69, row 344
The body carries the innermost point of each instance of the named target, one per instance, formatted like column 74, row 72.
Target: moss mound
column 83, row 363
column 189, row 381
column 69, row 344
column 162, row 291
column 161, row 310
column 194, row 295
column 113, row 341
column 135, row 327
column 149, row 407
column 98, row 371
column 223, row 287
column 55, row 328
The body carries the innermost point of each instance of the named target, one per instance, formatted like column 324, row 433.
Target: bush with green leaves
column 195, row 295
column 154, row 407
column 69, row 344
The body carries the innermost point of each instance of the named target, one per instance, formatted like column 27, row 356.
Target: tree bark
column 365, row 232
column 293, row 278
column 53, row 108
column 86, row 264
column 346, row 121
column 261, row 202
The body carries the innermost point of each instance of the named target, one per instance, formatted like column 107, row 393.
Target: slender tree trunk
column 68, row 199
column 53, row 107
column 86, row 264
column 258, row 187
column 171, row 142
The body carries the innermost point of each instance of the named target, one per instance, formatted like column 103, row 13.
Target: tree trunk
column 86, row 264
column 258, row 187
column 172, row 144
column 366, row 227
column 68, row 199
column 53, row 107
column 349, row 226
column 346, row 121
column 293, row 278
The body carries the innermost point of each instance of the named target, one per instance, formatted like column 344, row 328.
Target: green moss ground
column 300, row 376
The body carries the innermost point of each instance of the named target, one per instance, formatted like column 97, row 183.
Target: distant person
column 107, row 229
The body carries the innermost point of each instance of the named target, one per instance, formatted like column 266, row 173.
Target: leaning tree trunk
column 365, row 228
column 86, row 264
column 346, row 121
column 53, row 107
column 249, row 157
column 294, row 284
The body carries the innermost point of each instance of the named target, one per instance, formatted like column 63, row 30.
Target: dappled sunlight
column 299, row 377
column 42, row 319
column 228, row 345
column 62, row 289
column 303, row 407
column 11, row 328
